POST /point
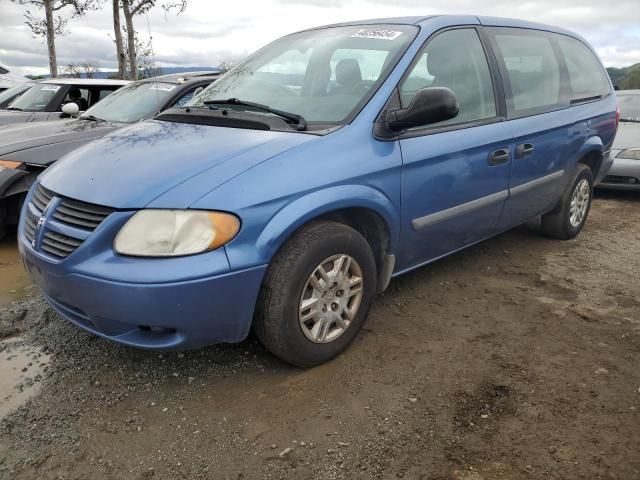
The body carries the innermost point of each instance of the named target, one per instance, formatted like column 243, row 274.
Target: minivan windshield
column 36, row 99
column 132, row 102
column 629, row 107
column 323, row 75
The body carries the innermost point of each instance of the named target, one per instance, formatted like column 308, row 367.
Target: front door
column 455, row 173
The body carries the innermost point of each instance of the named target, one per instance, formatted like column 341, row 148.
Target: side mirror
column 71, row 109
column 429, row 105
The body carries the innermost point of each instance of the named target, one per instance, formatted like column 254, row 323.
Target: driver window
column 78, row 95
column 454, row 59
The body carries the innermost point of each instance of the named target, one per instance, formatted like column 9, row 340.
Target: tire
column 278, row 322
column 561, row 223
column 3, row 219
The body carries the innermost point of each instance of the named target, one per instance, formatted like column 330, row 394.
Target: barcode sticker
column 163, row 88
column 378, row 34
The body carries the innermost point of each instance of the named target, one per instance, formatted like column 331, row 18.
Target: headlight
column 630, row 154
column 9, row 164
column 170, row 233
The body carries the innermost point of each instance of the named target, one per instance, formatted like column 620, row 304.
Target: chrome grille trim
column 72, row 214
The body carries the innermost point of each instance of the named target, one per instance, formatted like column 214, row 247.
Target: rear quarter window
column 587, row 78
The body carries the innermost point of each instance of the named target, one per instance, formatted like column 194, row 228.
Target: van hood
column 7, row 117
column 132, row 167
column 23, row 136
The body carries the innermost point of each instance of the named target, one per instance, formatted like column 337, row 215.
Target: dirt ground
column 516, row 359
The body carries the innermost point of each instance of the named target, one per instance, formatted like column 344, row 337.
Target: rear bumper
column 623, row 175
column 173, row 315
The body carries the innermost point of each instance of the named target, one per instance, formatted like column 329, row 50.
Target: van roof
column 458, row 20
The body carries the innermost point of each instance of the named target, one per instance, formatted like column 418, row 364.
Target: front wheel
column 316, row 294
column 568, row 218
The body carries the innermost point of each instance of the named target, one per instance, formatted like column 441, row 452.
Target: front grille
column 30, row 228
column 41, row 198
column 81, row 214
column 59, row 245
column 67, row 215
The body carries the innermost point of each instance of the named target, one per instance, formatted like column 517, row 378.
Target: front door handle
column 499, row 157
column 524, row 150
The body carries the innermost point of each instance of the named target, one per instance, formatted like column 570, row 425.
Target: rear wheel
column 316, row 294
column 3, row 218
column 568, row 218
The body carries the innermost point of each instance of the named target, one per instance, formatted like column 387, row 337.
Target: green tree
column 631, row 79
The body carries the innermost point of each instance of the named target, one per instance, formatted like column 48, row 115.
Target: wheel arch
column 592, row 154
column 363, row 208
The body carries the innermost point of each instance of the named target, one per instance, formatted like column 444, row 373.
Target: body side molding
column 433, row 218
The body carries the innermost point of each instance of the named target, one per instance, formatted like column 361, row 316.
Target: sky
column 212, row 31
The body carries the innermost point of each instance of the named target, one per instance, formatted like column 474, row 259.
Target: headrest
column 74, row 92
column 441, row 63
column 348, row 72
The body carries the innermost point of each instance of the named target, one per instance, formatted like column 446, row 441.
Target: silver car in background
column 625, row 171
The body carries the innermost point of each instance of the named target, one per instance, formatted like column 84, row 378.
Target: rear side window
column 104, row 93
column 586, row 76
column 532, row 70
column 454, row 59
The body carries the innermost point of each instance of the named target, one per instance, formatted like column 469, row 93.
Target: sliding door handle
column 524, row 150
column 499, row 157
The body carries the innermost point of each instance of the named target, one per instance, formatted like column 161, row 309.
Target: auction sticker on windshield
column 163, row 88
column 377, row 34
column 50, row 88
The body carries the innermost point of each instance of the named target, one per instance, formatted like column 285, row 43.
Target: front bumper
column 180, row 315
column 624, row 174
column 167, row 303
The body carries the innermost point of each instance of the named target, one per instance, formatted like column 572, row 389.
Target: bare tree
column 53, row 24
column 117, row 29
column 226, row 65
column 72, row 70
column 90, row 68
column 132, row 8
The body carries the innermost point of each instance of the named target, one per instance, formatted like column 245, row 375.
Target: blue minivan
column 287, row 194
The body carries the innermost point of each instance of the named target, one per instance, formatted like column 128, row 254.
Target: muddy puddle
column 14, row 283
column 21, row 369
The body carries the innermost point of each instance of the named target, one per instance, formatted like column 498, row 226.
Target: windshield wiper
column 92, row 118
column 14, row 109
column 301, row 123
column 633, row 120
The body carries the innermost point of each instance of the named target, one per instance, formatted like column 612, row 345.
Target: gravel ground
column 516, row 359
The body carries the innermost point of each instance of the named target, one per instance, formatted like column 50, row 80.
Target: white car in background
column 8, row 79
column 58, row 98
column 625, row 171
